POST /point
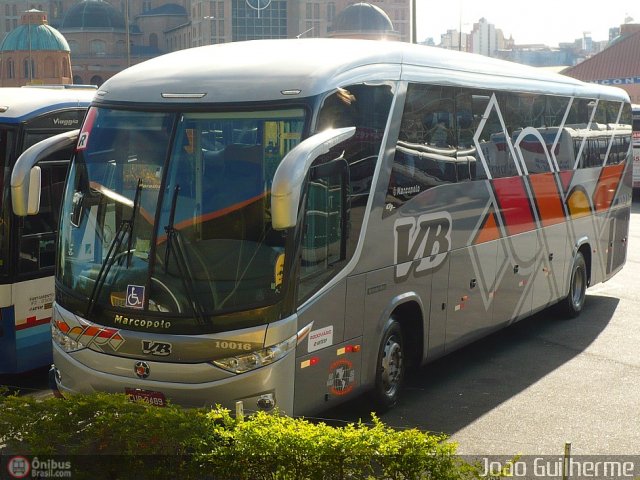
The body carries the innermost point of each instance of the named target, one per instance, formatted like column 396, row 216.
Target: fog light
column 266, row 402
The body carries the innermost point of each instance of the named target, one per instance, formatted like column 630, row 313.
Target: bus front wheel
column 573, row 303
column 390, row 367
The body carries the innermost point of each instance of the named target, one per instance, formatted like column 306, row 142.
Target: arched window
column 77, row 80
column 96, row 80
column 153, row 41
column 98, row 47
column 74, row 46
column 11, row 69
column 49, row 68
column 65, row 68
column 29, row 68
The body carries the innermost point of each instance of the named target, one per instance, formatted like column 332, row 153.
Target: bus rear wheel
column 573, row 303
column 390, row 367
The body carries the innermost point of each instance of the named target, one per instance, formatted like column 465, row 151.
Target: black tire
column 573, row 303
column 390, row 367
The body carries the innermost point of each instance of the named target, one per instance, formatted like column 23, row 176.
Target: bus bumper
column 53, row 384
column 265, row 388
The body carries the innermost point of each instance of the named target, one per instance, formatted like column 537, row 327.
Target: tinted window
column 425, row 155
column 37, row 238
column 365, row 107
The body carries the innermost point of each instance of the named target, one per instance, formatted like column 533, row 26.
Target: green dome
column 43, row 37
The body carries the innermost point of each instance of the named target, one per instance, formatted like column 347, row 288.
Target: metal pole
column 414, row 22
column 126, row 24
column 566, row 461
column 460, row 29
column 30, row 62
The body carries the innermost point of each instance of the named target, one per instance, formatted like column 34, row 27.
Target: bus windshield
column 169, row 213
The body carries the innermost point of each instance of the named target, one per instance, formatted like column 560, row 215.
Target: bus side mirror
column 290, row 175
column 25, row 177
column 35, row 187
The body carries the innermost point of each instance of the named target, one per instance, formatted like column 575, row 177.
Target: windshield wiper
column 184, row 271
column 132, row 220
column 126, row 226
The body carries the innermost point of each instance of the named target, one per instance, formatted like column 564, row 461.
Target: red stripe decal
column 33, row 322
column 565, row 178
column 514, row 205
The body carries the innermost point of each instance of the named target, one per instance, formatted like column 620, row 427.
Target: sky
column 543, row 21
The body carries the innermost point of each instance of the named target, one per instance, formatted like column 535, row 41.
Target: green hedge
column 108, row 436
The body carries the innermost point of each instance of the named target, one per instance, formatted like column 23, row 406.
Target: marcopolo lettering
column 138, row 322
column 421, row 243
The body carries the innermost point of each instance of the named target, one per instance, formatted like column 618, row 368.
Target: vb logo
column 159, row 349
column 421, row 243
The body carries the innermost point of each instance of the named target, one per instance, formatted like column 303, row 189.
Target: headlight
column 64, row 341
column 260, row 358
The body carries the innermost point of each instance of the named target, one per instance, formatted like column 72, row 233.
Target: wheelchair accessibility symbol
column 135, row 296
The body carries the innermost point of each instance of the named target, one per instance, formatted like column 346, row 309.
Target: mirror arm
column 292, row 171
column 21, row 173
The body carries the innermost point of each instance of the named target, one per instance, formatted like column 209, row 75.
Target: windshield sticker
column 278, row 273
column 83, row 139
column 323, row 337
column 342, row 377
column 135, row 296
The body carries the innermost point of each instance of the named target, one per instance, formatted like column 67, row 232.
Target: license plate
column 152, row 398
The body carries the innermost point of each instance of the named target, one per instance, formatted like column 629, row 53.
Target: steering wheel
column 167, row 290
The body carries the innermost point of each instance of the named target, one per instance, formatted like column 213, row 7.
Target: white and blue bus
column 289, row 223
column 27, row 245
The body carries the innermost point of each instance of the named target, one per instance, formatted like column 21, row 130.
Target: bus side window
column 37, row 236
column 425, row 152
column 365, row 107
column 324, row 237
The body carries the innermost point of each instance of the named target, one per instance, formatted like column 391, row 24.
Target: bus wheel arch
column 400, row 347
column 579, row 280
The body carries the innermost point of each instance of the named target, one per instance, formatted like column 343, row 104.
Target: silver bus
column 636, row 146
column 27, row 245
column 289, row 223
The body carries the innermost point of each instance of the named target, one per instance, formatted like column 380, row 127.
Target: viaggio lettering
column 137, row 322
column 66, row 123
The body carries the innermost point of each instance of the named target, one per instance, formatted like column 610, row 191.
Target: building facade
column 486, row 40
column 34, row 53
column 617, row 65
column 107, row 36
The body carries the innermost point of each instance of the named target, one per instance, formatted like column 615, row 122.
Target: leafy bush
column 108, row 436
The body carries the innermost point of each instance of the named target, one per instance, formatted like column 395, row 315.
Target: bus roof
column 262, row 70
column 20, row 104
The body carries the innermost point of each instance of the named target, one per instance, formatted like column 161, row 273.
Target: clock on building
column 258, row 5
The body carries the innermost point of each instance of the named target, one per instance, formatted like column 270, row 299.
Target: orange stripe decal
column 489, row 230
column 547, row 198
column 607, row 187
